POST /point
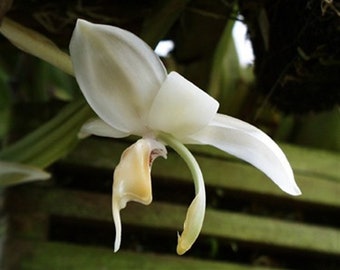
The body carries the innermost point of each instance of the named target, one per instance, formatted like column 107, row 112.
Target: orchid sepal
column 98, row 127
column 248, row 143
column 104, row 64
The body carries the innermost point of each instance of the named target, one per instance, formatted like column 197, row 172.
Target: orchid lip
column 132, row 178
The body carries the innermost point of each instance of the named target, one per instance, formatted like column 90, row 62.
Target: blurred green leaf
column 229, row 81
column 5, row 102
column 14, row 173
column 320, row 130
column 4, row 121
column 157, row 25
column 52, row 140
column 4, row 88
column 50, row 81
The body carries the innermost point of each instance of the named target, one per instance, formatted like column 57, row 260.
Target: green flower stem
column 189, row 159
column 195, row 215
column 36, row 44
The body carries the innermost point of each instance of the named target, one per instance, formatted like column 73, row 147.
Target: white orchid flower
column 126, row 84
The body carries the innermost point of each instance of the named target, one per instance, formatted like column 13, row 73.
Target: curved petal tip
column 249, row 143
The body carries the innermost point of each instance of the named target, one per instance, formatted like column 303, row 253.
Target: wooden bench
column 249, row 224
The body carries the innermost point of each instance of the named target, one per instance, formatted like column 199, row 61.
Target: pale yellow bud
column 192, row 224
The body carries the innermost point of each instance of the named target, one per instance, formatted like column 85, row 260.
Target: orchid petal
column 132, row 180
column 98, row 127
column 181, row 108
column 118, row 73
column 250, row 144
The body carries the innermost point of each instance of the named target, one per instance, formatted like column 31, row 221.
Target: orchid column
column 126, row 84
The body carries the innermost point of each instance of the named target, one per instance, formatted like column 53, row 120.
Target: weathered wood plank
column 31, row 207
column 304, row 160
column 315, row 179
column 227, row 225
column 56, row 256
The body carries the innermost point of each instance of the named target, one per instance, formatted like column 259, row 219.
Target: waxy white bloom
column 128, row 87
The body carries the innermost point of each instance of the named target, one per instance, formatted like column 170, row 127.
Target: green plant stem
column 189, row 159
column 195, row 215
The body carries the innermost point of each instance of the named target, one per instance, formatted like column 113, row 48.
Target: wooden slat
column 231, row 226
column 31, row 208
column 57, row 256
column 315, row 180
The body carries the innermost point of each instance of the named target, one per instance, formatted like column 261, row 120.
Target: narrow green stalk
column 189, row 159
column 195, row 215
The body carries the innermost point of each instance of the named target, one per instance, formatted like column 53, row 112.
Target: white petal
column 98, row 127
column 250, row 144
column 118, row 73
column 181, row 108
